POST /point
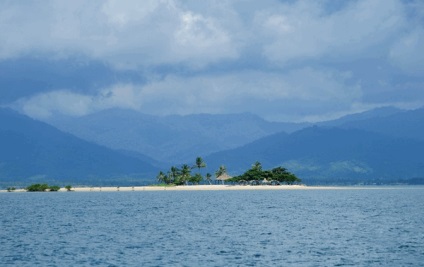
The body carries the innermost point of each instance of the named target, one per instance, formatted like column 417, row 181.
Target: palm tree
column 161, row 177
column 257, row 166
column 174, row 174
column 222, row 169
column 220, row 172
column 200, row 163
column 209, row 178
column 185, row 173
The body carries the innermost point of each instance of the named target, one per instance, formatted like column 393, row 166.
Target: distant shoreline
column 214, row 188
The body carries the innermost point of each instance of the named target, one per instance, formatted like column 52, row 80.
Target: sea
column 381, row 226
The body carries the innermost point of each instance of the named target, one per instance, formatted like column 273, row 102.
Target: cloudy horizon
column 282, row 60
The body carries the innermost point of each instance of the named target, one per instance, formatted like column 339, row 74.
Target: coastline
column 212, row 188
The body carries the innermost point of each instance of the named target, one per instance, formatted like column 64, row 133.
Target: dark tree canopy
column 183, row 175
column 256, row 173
column 42, row 188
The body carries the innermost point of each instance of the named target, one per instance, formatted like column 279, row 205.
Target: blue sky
column 283, row 60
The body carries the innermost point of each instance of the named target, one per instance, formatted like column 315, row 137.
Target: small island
column 184, row 178
column 254, row 176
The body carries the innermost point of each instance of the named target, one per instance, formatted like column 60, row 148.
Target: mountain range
column 123, row 146
column 172, row 139
column 34, row 151
column 334, row 155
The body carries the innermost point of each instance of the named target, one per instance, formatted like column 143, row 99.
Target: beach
column 210, row 188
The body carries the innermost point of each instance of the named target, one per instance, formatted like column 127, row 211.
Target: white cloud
column 272, row 95
column 197, row 35
column 408, row 53
column 153, row 32
column 120, row 14
column 124, row 33
column 43, row 106
column 303, row 30
column 284, row 60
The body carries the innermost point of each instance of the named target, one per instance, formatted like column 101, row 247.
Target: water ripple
column 213, row 228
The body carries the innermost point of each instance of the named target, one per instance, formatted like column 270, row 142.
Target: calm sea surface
column 366, row 227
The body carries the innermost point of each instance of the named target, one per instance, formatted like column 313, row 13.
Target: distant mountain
column 172, row 139
column 35, row 151
column 320, row 155
column 373, row 114
column 403, row 124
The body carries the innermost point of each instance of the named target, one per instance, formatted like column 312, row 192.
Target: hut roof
column 224, row 177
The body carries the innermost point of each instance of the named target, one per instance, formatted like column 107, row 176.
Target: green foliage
column 185, row 174
column 200, row 163
column 37, row 187
column 42, row 188
column 10, row 189
column 196, row 179
column 222, row 169
column 180, row 176
column 256, row 173
column 209, row 178
column 68, row 187
column 54, row 188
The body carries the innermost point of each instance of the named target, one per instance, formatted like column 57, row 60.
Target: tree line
column 276, row 175
column 183, row 175
column 45, row 187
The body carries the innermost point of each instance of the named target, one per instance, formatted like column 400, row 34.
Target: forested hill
column 34, row 151
column 319, row 154
column 402, row 124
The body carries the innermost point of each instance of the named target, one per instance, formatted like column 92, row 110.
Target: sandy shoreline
column 213, row 188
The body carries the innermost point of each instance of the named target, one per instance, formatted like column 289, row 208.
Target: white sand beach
column 188, row 188
column 213, row 188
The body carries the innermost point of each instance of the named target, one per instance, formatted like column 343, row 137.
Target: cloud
column 125, row 33
column 284, row 60
column 132, row 34
column 407, row 53
column 45, row 105
column 272, row 95
column 303, row 30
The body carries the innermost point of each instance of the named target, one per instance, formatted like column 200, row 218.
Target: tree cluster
column 183, row 175
column 42, row 188
column 256, row 173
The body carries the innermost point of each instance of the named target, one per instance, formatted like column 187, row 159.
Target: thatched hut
column 223, row 177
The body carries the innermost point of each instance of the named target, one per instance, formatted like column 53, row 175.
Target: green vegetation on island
column 254, row 176
column 42, row 188
column 183, row 175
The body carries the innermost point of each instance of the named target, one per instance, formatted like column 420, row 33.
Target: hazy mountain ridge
column 403, row 124
column 169, row 138
column 32, row 150
column 383, row 144
column 320, row 154
column 373, row 114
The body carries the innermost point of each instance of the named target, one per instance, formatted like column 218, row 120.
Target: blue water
column 370, row 227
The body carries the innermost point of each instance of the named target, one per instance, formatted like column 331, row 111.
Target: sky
column 282, row 60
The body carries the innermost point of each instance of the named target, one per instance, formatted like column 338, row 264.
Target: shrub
column 54, row 188
column 37, row 187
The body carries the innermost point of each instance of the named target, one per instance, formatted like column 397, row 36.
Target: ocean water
column 358, row 227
